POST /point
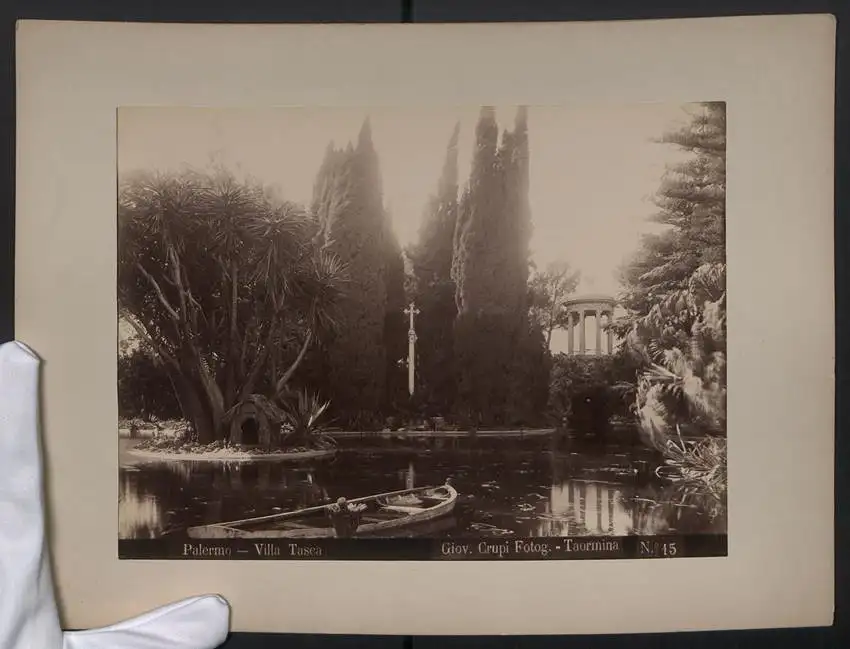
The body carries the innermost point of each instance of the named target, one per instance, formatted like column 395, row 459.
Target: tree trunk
column 195, row 410
column 281, row 384
column 205, row 428
column 259, row 364
column 234, row 355
column 210, row 395
column 553, row 309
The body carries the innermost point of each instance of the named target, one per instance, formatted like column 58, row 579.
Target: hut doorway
column 250, row 431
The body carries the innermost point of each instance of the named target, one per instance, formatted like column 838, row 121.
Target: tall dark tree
column 433, row 288
column 395, row 324
column 348, row 201
column 493, row 337
column 481, row 327
column 692, row 209
column 516, row 226
column 529, row 378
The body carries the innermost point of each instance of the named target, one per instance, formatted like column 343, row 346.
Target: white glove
column 28, row 611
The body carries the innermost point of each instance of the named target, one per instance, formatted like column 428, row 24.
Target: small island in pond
column 256, row 429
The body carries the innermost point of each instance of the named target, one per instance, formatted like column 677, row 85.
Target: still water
column 504, row 492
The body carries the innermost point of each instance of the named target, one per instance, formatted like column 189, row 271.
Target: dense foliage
column 550, row 290
column 395, row 326
column 675, row 271
column 144, row 389
column 675, row 290
column 348, row 203
column 433, row 290
column 585, row 392
column 222, row 281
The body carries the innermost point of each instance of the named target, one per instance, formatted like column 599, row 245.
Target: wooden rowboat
column 377, row 515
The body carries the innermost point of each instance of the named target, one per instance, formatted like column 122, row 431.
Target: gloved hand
column 28, row 611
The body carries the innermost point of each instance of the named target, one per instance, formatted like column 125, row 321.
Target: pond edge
column 231, row 457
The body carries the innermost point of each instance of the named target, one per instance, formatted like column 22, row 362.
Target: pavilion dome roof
column 591, row 297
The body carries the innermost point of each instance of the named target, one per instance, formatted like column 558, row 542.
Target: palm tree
column 212, row 272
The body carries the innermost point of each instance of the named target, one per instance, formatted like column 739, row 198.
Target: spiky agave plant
column 701, row 462
column 303, row 416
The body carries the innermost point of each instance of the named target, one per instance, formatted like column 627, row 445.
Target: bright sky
column 593, row 168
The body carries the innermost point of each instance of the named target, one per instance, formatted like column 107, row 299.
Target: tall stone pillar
column 582, row 342
column 610, row 334
column 598, row 323
column 571, row 332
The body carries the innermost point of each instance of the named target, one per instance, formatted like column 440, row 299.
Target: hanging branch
column 159, row 349
column 156, row 287
column 178, row 280
column 281, row 384
column 259, row 362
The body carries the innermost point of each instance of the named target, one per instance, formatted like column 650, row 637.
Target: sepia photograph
column 428, row 332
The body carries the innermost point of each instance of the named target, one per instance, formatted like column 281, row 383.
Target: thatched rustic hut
column 256, row 421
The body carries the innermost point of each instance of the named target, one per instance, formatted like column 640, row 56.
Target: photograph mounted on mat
column 328, row 309
column 482, row 332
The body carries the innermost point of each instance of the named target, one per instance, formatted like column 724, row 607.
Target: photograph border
column 663, row 134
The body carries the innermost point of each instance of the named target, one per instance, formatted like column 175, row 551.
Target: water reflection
column 139, row 513
column 536, row 493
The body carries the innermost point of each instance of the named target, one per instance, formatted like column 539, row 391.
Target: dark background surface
column 469, row 11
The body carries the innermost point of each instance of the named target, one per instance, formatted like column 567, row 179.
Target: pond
column 503, row 492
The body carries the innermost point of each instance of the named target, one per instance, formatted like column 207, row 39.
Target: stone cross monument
column 411, row 347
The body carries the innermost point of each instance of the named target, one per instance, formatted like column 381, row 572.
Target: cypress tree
column 434, row 289
column 502, row 364
column 529, row 378
column 395, row 323
column 349, row 205
column 486, row 309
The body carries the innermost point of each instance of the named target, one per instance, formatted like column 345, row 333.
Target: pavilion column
column 598, row 323
column 610, row 334
column 582, row 345
column 571, row 333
